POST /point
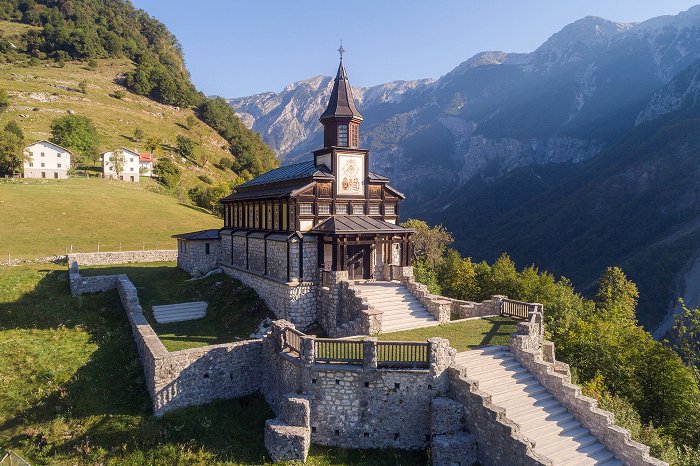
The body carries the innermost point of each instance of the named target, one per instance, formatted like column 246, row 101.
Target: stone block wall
column 238, row 252
column 277, row 259
column 356, row 406
column 193, row 258
column 122, row 257
column 310, row 253
column 225, row 247
column 87, row 285
column 256, row 254
column 187, row 377
column 293, row 302
column 499, row 439
column 341, row 310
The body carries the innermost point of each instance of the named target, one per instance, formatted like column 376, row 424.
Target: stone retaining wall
column 295, row 302
column 122, row 257
column 357, row 406
column 180, row 378
column 527, row 346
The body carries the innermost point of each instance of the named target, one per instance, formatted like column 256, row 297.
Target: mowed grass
column 44, row 217
column 41, row 93
column 73, row 391
column 234, row 311
column 470, row 334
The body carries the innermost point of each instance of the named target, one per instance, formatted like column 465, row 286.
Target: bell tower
column 341, row 120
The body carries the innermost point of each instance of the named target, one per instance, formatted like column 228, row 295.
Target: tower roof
column 341, row 103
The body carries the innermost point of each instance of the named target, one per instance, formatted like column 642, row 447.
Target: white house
column 46, row 160
column 146, row 161
column 130, row 166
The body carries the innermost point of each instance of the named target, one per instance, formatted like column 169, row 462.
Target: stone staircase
column 179, row 312
column 401, row 310
column 555, row 432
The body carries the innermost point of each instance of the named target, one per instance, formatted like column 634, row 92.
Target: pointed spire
column 341, row 102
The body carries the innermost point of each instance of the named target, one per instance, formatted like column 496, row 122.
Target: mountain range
column 579, row 155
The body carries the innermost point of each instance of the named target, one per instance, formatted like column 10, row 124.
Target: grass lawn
column 73, row 390
column 43, row 217
column 470, row 334
column 234, row 311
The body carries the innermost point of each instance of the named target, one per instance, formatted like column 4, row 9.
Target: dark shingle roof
column 202, row 234
column 341, row 103
column 357, row 224
column 272, row 192
column 289, row 172
column 377, row 177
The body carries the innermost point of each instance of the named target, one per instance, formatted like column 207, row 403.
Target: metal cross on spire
column 341, row 50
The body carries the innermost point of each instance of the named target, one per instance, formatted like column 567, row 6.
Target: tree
column 428, row 243
column 154, row 145
column 75, row 132
column 191, row 122
column 4, row 100
column 167, row 172
column 138, row 134
column 117, row 161
column 92, row 64
column 83, row 86
column 686, row 331
column 11, row 148
column 457, row 277
column 617, row 296
column 185, row 146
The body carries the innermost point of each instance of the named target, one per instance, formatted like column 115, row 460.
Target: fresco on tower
column 351, row 172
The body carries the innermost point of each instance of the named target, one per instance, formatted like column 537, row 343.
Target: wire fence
column 51, row 252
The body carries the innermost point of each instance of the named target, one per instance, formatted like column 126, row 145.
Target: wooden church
column 352, row 212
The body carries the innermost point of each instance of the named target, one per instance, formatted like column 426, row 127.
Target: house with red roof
column 146, row 162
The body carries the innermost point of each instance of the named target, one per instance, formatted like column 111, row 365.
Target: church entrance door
column 358, row 262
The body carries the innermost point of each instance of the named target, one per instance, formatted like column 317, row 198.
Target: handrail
column 403, row 354
column 328, row 350
column 518, row 309
column 292, row 339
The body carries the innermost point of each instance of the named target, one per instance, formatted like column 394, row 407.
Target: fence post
column 144, row 246
column 308, row 355
column 370, row 354
column 98, row 247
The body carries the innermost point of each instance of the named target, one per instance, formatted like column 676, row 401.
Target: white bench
column 179, row 312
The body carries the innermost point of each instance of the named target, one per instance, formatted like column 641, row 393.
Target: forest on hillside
column 86, row 30
column 652, row 387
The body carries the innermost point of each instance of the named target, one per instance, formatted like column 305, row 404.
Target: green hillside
column 45, row 217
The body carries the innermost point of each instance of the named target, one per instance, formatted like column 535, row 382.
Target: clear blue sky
column 237, row 48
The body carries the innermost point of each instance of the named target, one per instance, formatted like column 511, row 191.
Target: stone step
column 405, row 312
column 509, row 375
column 410, row 326
column 519, row 391
column 553, row 411
column 495, row 384
column 545, row 408
column 407, row 320
column 506, row 366
column 398, row 309
column 561, row 444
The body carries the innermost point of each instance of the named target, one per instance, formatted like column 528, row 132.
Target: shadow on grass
column 500, row 329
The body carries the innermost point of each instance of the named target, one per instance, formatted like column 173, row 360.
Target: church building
column 327, row 214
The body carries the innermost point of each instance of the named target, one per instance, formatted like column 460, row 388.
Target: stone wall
column 499, row 439
column 256, row 253
column 192, row 256
column 357, row 406
column 187, row 377
column 527, row 346
column 238, row 251
column 277, row 258
column 122, row 257
column 86, row 285
column 291, row 301
column 341, row 312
